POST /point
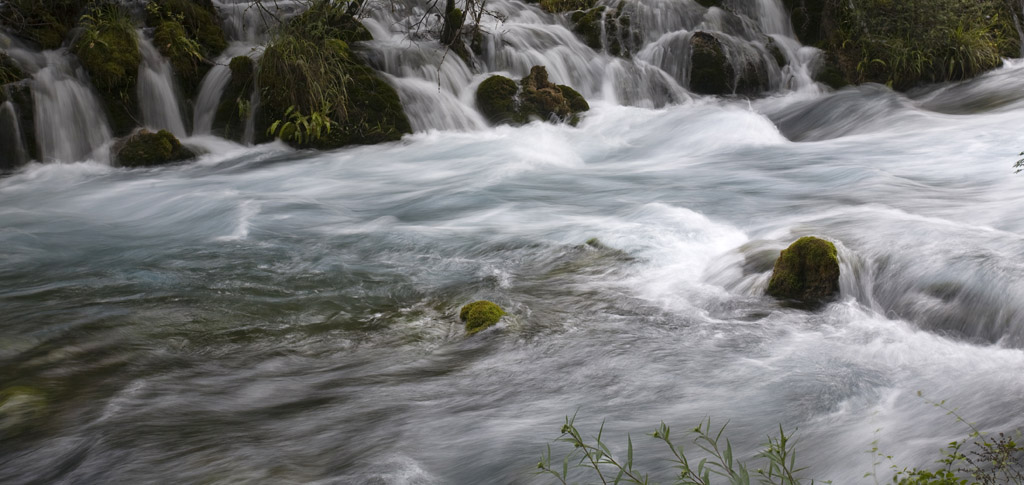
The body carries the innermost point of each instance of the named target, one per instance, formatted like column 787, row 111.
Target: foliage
column 301, row 128
column 10, row 72
column 108, row 48
column 46, row 23
column 716, row 458
column 904, row 43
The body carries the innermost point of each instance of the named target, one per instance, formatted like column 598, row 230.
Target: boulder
column 710, row 70
column 316, row 93
column 480, row 315
column 615, row 26
column 145, row 148
column 806, row 272
column 535, row 97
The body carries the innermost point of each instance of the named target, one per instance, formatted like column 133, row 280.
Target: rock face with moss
column 712, row 72
column 233, row 109
column 46, row 23
column 904, row 44
column 315, row 92
column 188, row 33
column 502, row 101
column 108, row 49
column 480, row 315
column 596, row 24
column 146, row 148
column 806, row 272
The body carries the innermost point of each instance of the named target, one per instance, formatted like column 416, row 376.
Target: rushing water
column 268, row 315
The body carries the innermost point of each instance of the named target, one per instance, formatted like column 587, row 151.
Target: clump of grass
column 908, row 42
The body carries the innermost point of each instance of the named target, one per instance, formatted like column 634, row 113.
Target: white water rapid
column 158, row 99
column 271, row 315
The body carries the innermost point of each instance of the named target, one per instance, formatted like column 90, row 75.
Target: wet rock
column 146, row 148
column 502, row 101
column 233, row 110
column 599, row 24
column 806, row 272
column 189, row 34
column 20, row 144
column 480, row 315
column 710, row 70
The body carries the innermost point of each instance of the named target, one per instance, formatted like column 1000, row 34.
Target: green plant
column 301, row 128
column 716, row 458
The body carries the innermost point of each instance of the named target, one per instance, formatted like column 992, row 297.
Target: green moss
column 496, row 99
column 309, row 74
column 904, row 44
column 710, row 70
column 188, row 33
column 560, row 6
column 146, row 149
column 807, row 272
column 480, row 315
column 108, row 49
column 45, row 23
column 500, row 100
column 453, row 19
column 587, row 24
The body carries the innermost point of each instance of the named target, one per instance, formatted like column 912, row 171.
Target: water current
column 268, row 315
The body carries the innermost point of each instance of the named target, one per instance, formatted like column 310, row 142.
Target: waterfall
column 69, row 118
column 158, row 98
column 15, row 153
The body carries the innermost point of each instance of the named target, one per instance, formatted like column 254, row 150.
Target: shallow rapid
column 271, row 315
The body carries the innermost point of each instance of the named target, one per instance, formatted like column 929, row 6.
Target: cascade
column 14, row 153
column 158, row 99
column 69, row 118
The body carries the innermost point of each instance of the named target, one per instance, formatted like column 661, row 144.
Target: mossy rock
column 146, row 148
column 587, row 24
column 327, row 20
column 480, row 315
column 710, row 70
column 309, row 68
column 829, row 73
column 21, row 408
column 188, row 33
column 806, row 272
column 46, row 23
column 108, row 49
column 501, row 100
column 453, row 19
column 906, row 44
column 233, row 109
column 496, row 100
column 561, row 6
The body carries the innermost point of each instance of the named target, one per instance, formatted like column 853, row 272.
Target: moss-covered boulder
column 189, row 34
column 316, row 92
column 502, row 101
column 145, row 148
column 806, row 272
column 594, row 25
column 905, row 44
column 46, row 23
column 108, row 49
column 234, row 107
column 480, row 315
column 561, row 6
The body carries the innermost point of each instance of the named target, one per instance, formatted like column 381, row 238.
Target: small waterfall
column 14, row 152
column 158, row 98
column 69, row 119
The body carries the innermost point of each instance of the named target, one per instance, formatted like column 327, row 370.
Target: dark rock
column 806, row 272
column 233, row 109
column 496, row 100
column 502, row 101
column 189, row 34
column 710, row 70
column 46, row 23
column 108, row 49
column 146, row 148
column 18, row 146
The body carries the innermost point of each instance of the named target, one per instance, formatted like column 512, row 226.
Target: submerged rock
column 502, row 101
column 480, row 315
column 807, row 272
column 146, row 148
